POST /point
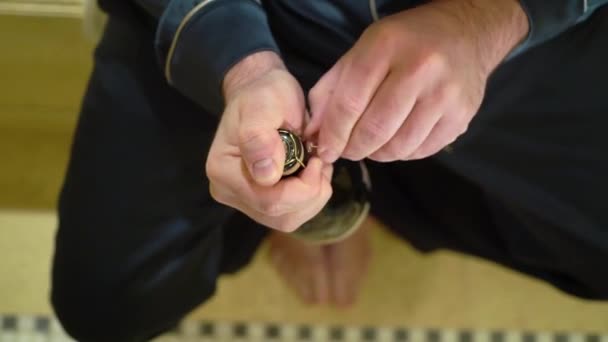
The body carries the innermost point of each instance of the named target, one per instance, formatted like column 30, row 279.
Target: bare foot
column 323, row 274
column 348, row 263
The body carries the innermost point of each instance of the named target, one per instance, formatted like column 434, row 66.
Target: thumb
column 263, row 153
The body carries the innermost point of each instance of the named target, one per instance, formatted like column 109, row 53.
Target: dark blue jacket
column 197, row 41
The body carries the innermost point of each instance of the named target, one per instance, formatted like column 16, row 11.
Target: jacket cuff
column 550, row 18
column 198, row 43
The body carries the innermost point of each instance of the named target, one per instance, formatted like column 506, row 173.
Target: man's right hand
column 245, row 162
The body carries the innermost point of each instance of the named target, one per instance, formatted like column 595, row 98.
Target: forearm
column 197, row 42
column 506, row 28
column 496, row 27
column 502, row 26
column 249, row 69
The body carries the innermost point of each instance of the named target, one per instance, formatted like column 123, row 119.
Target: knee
column 87, row 311
column 91, row 299
column 97, row 306
column 101, row 292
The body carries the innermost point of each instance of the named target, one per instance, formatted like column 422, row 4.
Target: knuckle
column 363, row 67
column 372, row 130
column 212, row 169
column 388, row 154
column 353, row 154
column 219, row 196
column 429, row 61
column 402, row 146
column 405, row 156
column 405, row 153
column 315, row 192
column 350, row 106
column 463, row 129
column 271, row 209
column 270, row 89
column 288, row 225
column 337, row 140
column 325, row 193
column 315, row 94
column 379, row 157
column 250, row 135
column 453, row 90
column 384, row 34
column 213, row 193
column 457, row 125
column 333, row 137
column 438, row 59
column 435, row 60
column 418, row 154
column 461, row 125
column 448, row 91
column 328, row 194
column 254, row 101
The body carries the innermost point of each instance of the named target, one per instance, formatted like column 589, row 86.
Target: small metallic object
column 295, row 153
column 346, row 209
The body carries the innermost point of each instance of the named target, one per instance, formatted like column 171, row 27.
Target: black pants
column 141, row 242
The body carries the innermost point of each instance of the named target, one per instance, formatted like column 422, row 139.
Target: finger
column 291, row 222
column 286, row 218
column 416, row 128
column 259, row 142
column 445, row 132
column 289, row 195
column 387, row 111
column 232, row 185
column 220, row 193
column 328, row 171
column 262, row 151
column 319, row 95
column 357, row 84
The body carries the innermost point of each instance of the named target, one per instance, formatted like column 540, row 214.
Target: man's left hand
column 413, row 81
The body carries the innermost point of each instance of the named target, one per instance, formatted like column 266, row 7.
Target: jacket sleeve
column 197, row 41
column 549, row 18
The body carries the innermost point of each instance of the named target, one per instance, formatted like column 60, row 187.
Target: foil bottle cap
column 296, row 154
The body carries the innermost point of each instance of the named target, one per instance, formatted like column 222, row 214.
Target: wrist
column 506, row 27
column 497, row 27
column 249, row 69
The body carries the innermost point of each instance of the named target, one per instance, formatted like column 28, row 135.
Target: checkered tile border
column 43, row 328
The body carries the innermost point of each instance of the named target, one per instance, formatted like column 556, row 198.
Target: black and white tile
column 27, row 328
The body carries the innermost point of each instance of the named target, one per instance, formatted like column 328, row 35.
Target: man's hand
column 246, row 158
column 413, row 82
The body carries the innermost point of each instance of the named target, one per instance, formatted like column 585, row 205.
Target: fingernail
column 328, row 156
column 263, row 169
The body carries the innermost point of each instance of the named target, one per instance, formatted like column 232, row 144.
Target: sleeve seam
column 178, row 32
column 187, row 18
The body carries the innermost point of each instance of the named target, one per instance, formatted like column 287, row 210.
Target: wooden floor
column 44, row 67
column 43, row 70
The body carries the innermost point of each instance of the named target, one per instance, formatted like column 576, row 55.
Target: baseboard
column 46, row 8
